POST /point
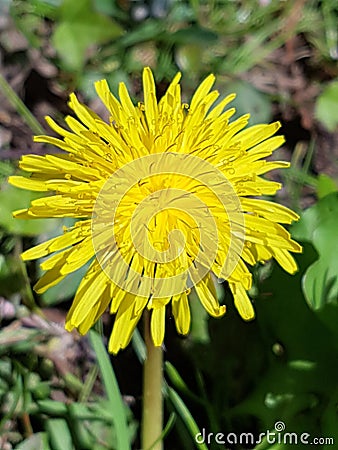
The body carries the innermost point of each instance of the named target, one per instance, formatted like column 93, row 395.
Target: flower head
column 165, row 197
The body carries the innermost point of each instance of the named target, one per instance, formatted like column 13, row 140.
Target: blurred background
column 228, row 376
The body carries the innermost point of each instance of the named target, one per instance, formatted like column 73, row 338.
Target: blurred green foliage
column 319, row 226
column 327, row 106
column 25, row 388
column 228, row 36
column 113, row 38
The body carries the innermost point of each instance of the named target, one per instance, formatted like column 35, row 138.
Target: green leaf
column 42, row 391
column 86, row 436
column 193, row 35
column 59, row 434
column 117, row 407
column 12, row 199
column 326, row 109
column 249, row 100
column 105, row 6
column 188, row 58
column 6, row 169
column 178, row 381
column 52, row 407
column 318, row 225
column 273, row 367
column 325, row 185
column 27, row 24
column 81, row 27
column 37, row 441
column 87, row 82
column 306, row 352
column 329, row 419
column 11, row 279
column 146, row 31
column 186, row 416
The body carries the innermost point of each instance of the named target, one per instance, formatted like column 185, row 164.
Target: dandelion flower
column 165, row 198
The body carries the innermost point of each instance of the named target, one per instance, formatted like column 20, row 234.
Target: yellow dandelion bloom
column 166, row 200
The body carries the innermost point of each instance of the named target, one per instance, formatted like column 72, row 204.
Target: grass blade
column 186, row 416
column 118, row 409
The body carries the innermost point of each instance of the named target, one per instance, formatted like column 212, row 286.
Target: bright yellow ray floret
column 167, row 199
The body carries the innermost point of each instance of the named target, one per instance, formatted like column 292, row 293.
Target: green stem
column 20, row 107
column 26, row 290
column 152, row 417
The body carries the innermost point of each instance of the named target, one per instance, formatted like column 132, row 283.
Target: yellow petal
column 28, row 183
column 269, row 210
column 202, row 91
column 117, row 299
column 54, row 141
column 242, row 301
column 71, row 237
column 208, row 300
column 108, row 99
column 86, row 115
column 181, row 313
column 157, row 325
column 284, row 259
column 218, row 109
column 150, row 102
column 124, row 325
column 260, row 252
column 241, row 274
column 49, row 279
column 78, row 256
column 257, row 133
column 126, row 102
column 89, row 292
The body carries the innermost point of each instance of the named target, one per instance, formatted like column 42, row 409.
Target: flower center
column 161, row 220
